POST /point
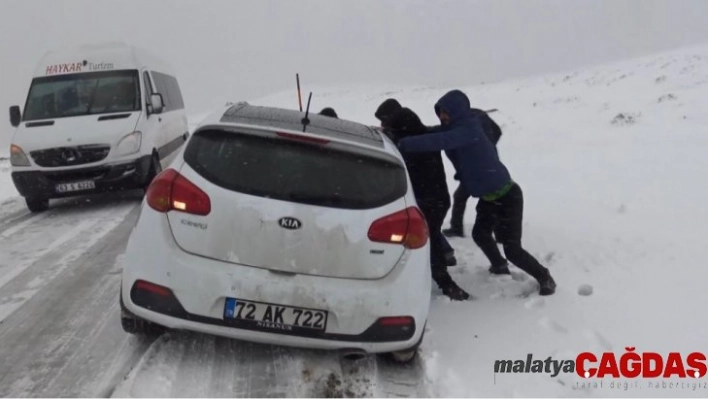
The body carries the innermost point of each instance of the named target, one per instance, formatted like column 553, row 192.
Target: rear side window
column 295, row 172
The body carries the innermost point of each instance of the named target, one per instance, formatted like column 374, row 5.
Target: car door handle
column 159, row 119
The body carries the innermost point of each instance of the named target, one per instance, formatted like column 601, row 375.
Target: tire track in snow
column 67, row 340
column 186, row 364
column 21, row 221
column 24, row 275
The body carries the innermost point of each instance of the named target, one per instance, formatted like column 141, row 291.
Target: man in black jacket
column 384, row 113
column 329, row 111
column 427, row 174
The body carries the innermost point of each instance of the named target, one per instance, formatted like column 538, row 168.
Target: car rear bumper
column 368, row 341
column 109, row 177
column 199, row 288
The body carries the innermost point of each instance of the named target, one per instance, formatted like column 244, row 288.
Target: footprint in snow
column 553, row 325
column 535, row 303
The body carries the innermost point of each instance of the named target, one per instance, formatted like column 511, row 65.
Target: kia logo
column 289, row 223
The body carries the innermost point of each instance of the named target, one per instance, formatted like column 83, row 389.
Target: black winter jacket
column 426, row 169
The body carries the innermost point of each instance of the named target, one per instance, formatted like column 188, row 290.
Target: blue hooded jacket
column 475, row 158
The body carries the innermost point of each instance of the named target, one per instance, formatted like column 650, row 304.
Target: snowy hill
column 612, row 163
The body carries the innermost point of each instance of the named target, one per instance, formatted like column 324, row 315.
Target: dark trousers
column 445, row 244
column 504, row 217
column 435, row 216
column 459, row 204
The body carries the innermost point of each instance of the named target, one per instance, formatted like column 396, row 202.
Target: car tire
column 137, row 326
column 35, row 204
column 405, row 356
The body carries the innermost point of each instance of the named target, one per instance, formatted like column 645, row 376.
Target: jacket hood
column 455, row 103
column 387, row 109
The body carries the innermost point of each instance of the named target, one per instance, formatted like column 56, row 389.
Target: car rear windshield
column 83, row 94
column 293, row 171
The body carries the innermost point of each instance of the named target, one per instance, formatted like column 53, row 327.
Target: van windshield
column 83, row 94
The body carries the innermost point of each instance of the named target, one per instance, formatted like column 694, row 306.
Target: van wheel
column 155, row 169
column 35, row 204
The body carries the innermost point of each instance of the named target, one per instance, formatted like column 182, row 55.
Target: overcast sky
column 235, row 49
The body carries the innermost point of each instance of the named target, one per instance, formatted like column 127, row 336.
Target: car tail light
column 309, row 139
column 170, row 191
column 406, row 227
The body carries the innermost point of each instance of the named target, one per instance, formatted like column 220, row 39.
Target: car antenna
column 299, row 97
column 305, row 120
column 491, row 111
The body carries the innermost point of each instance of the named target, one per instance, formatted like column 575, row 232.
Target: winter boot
column 500, row 269
column 454, row 292
column 449, row 287
column 548, row 285
column 453, row 232
column 450, row 259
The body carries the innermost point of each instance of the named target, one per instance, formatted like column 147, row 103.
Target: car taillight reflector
column 407, row 227
column 153, row 288
column 171, row 191
column 396, row 321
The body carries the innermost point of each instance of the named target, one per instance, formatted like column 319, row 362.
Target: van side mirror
column 156, row 103
column 15, row 116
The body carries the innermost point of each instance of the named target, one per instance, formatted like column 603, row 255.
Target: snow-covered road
column 60, row 268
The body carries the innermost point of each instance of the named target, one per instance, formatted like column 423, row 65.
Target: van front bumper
column 105, row 178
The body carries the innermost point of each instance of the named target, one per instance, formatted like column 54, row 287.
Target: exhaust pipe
column 353, row 354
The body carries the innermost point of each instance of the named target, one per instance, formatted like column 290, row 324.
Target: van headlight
column 18, row 157
column 129, row 144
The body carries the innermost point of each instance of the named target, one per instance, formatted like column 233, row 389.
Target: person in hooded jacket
column 483, row 176
column 460, row 196
column 384, row 113
column 427, row 174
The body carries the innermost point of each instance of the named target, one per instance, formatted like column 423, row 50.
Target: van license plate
column 76, row 186
column 276, row 317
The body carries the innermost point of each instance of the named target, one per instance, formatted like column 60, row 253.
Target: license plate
column 75, row 186
column 276, row 317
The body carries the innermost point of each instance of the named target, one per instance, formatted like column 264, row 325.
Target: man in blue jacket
column 483, row 176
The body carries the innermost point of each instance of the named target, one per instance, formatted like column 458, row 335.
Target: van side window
column 169, row 88
column 148, row 86
column 176, row 93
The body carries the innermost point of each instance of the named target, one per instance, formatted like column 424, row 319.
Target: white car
column 97, row 118
column 275, row 229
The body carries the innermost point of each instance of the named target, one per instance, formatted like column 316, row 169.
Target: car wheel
column 137, row 326
column 405, row 356
column 37, row 204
